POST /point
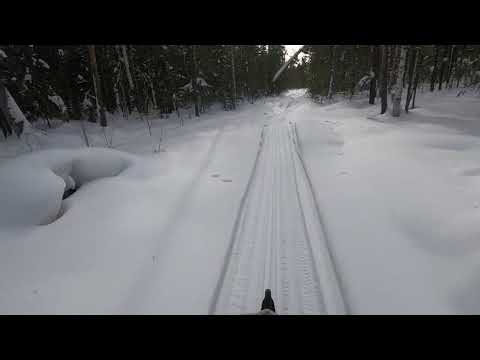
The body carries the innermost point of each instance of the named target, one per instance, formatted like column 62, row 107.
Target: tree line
column 86, row 81
column 79, row 82
column 381, row 70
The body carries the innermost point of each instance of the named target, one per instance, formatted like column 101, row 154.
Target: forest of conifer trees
column 85, row 81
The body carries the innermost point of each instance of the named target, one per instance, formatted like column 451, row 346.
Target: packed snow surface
column 335, row 208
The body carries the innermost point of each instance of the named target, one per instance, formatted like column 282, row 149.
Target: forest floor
column 335, row 208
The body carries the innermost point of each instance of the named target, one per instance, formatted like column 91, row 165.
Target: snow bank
column 133, row 243
column 29, row 195
column 89, row 167
column 400, row 206
column 32, row 186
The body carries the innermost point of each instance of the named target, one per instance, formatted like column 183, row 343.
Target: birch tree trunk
column 398, row 88
column 126, row 63
column 97, row 85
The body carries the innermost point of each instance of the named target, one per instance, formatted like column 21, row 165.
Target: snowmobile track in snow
column 277, row 241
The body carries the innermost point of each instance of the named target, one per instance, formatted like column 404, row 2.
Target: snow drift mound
column 32, row 186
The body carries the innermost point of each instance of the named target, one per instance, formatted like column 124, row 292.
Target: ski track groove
column 278, row 240
column 330, row 280
column 244, row 200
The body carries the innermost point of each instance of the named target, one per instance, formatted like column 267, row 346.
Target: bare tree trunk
column 380, row 70
column 397, row 90
column 442, row 68
column 234, row 99
column 116, row 82
column 384, row 83
column 126, row 63
column 351, row 74
column 331, row 81
column 460, row 73
column 434, row 71
column 405, row 70
column 84, row 132
column 194, row 82
column 373, row 74
column 411, row 72
column 417, row 76
column 393, row 65
column 97, row 85
column 451, row 61
column 154, row 95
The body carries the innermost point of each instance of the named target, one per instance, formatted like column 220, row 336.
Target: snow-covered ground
column 400, row 202
column 336, row 209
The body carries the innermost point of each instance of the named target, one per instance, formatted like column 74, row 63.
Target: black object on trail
column 267, row 302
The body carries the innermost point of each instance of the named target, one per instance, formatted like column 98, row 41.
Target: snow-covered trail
column 278, row 241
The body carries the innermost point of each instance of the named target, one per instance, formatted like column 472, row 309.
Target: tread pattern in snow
column 272, row 244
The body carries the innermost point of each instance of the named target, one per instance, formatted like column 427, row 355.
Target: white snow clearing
column 334, row 208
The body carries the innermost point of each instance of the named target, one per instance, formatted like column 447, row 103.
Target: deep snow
column 400, row 201
column 149, row 231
